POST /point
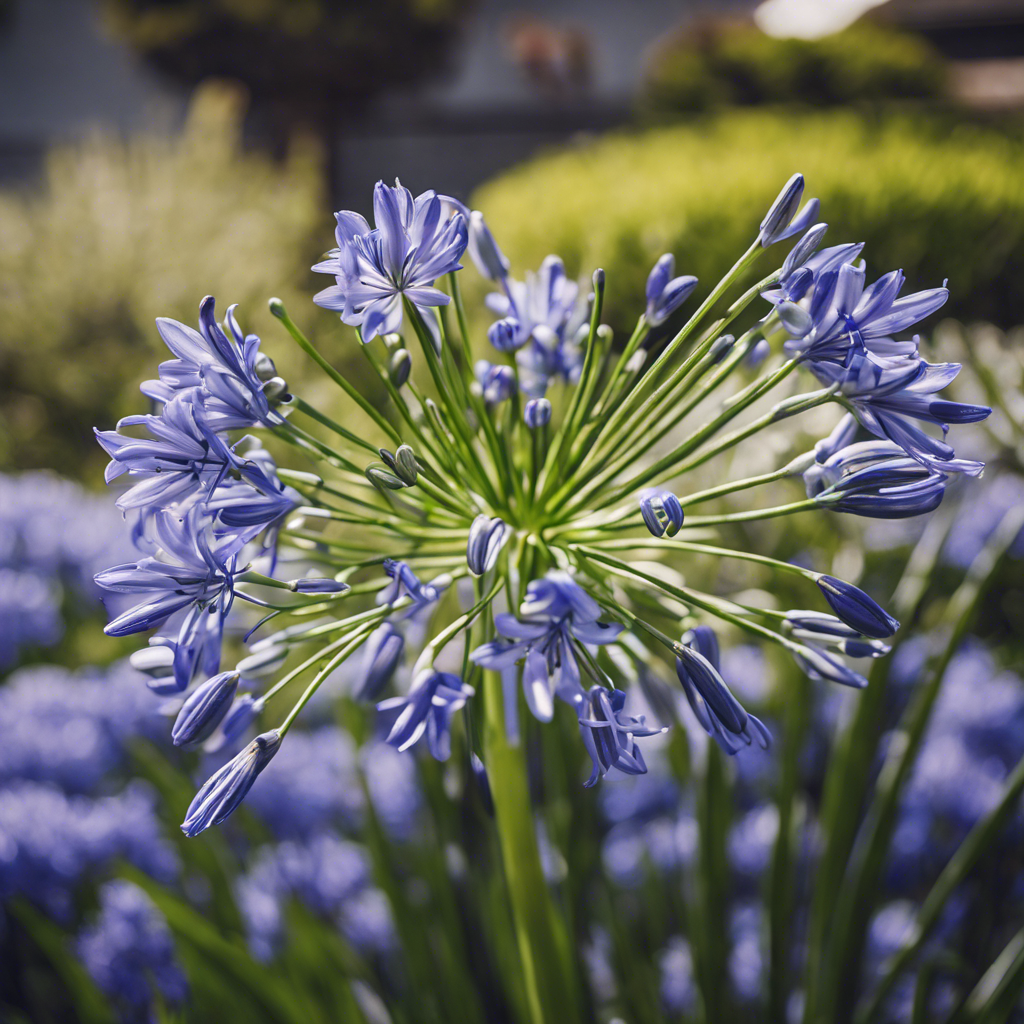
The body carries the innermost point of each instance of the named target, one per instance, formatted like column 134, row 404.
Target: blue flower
column 128, row 951
column 232, row 370
column 662, row 513
column 427, row 710
column 716, row 709
column 609, row 734
column 318, row 585
column 856, row 609
column 537, row 413
column 542, row 314
column 411, row 247
column 184, row 457
column 665, row 294
column 823, row 630
column 484, row 250
column 556, row 615
column 875, row 479
column 226, row 788
column 203, row 710
column 192, row 571
column 405, row 583
column 782, row 221
column 843, row 315
column 52, row 841
column 486, row 538
column 497, row 382
column 801, row 271
column 887, row 394
column 382, row 653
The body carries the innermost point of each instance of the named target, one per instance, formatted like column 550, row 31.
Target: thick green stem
column 548, row 973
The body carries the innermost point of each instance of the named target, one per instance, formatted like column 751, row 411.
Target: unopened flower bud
column 537, row 413
column 317, row 585
column 264, row 367
column 399, row 367
column 486, row 539
column 382, row 477
column 203, row 709
column 405, row 464
column 276, row 390
column 483, row 249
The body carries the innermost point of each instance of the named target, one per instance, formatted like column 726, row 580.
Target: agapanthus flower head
column 535, row 529
column 610, row 735
column 426, row 711
column 665, row 293
column 719, row 713
column 411, row 247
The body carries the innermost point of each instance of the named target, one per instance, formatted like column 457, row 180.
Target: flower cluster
column 513, row 517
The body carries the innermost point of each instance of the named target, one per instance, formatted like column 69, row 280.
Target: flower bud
column 856, row 609
column 662, row 512
column 486, row 539
column 405, row 464
column 504, row 335
column 226, row 788
column 483, row 249
column 537, row 413
column 381, row 654
column 318, row 585
column 276, row 390
column 399, row 367
column 203, row 709
column 383, row 479
column 781, row 212
column 264, row 367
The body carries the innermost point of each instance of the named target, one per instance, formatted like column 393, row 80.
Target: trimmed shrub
column 734, row 63
column 936, row 198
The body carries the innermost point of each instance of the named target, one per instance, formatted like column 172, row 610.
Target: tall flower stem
column 548, row 971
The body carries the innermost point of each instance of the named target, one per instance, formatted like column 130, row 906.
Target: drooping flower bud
column 203, row 709
column 505, row 335
column 483, row 249
column 381, row 654
column 856, row 609
column 399, row 367
column 226, row 788
column 318, row 585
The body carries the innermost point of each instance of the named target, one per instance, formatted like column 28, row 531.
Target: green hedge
column 728, row 63
column 935, row 198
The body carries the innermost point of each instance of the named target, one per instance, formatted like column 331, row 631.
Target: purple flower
column 856, row 609
column 427, row 711
column 665, row 293
column 405, row 583
column 719, row 713
column 412, row 245
column 610, row 735
column 382, row 653
column 875, row 479
column 542, row 315
column 193, row 574
column 231, row 370
column 184, row 456
column 662, row 512
column 556, row 615
column 486, row 539
column 888, row 394
column 128, row 951
column 225, row 789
